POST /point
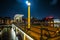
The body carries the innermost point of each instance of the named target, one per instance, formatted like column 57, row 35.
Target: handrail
column 24, row 33
column 6, row 26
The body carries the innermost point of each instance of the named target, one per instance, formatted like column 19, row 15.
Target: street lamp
column 28, row 3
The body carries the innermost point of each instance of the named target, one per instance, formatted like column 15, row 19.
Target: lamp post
column 28, row 3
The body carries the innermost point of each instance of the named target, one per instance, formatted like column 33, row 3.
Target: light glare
column 28, row 3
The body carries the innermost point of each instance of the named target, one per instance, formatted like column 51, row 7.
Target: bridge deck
column 35, row 32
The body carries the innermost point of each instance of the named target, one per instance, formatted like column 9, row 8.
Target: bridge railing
column 24, row 35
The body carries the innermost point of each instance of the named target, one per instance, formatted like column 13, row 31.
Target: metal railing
column 24, row 34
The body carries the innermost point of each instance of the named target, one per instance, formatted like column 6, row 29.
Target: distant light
column 56, row 20
column 57, row 31
column 50, row 17
column 28, row 3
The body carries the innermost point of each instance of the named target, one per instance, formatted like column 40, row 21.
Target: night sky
column 39, row 8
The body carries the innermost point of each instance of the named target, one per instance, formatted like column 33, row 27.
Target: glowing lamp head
column 28, row 3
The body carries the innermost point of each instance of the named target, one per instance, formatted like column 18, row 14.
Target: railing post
column 24, row 37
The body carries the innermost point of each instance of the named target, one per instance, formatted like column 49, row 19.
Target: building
column 18, row 17
column 56, row 22
column 48, row 21
column 35, row 21
column 5, row 20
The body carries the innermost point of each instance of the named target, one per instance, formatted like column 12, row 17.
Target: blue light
column 26, row 2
